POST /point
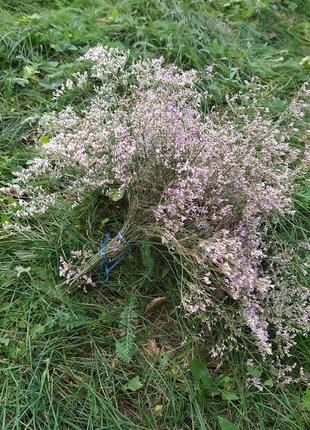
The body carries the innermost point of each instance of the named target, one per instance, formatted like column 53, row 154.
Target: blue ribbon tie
column 102, row 251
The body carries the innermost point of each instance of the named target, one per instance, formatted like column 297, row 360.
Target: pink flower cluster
column 207, row 184
column 72, row 269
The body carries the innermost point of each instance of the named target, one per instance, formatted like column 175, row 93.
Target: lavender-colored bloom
column 207, row 184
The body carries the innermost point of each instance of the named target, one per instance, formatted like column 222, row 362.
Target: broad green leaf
column 115, row 13
column 9, row 200
column 25, row 255
column 29, row 72
column 307, row 399
column 214, row 392
column 223, row 381
column 268, row 382
column 134, row 384
column 34, row 16
column 255, row 371
column 125, row 348
column 5, row 341
column 229, row 395
column 147, row 258
column 231, row 2
column 115, row 194
column 44, row 139
column 21, row 81
column 163, row 360
column 4, row 218
column 64, row 47
column 201, row 373
column 49, row 85
column 305, row 62
column 226, row 425
column 158, row 409
column 21, row 269
column 53, row 63
column 103, row 223
column 39, row 329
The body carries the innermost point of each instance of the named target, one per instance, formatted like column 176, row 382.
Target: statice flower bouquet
column 208, row 184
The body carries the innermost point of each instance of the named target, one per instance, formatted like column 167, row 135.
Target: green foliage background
column 70, row 360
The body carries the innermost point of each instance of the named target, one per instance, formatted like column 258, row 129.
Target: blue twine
column 110, row 267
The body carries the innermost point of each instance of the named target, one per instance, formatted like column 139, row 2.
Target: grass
column 70, row 360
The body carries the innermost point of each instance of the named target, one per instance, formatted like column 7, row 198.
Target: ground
column 112, row 358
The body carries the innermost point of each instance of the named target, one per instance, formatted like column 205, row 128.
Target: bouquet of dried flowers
column 208, row 184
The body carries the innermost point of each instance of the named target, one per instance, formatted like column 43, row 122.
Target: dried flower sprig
column 205, row 184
